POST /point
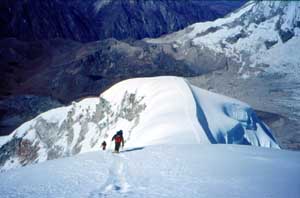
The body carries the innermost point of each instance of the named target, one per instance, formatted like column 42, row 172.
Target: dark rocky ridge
column 68, row 70
column 92, row 20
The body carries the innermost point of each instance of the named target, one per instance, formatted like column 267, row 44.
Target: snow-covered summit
column 150, row 111
column 262, row 34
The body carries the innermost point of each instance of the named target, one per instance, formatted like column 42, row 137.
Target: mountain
column 254, row 51
column 151, row 111
column 161, row 171
column 248, row 68
column 92, row 20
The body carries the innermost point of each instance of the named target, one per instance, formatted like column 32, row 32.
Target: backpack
column 118, row 139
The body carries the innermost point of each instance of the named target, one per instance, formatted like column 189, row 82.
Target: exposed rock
column 233, row 39
column 286, row 35
column 9, row 149
column 22, row 150
column 269, row 44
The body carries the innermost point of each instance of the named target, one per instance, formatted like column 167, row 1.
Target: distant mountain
column 151, row 111
column 260, row 37
column 91, row 20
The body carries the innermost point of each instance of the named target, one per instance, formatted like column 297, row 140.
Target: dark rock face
column 92, row 20
column 67, row 71
column 154, row 18
column 96, row 66
column 44, row 19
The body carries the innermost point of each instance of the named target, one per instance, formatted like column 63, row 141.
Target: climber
column 103, row 145
column 118, row 137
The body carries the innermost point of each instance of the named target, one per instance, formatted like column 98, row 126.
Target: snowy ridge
column 150, row 111
column 262, row 35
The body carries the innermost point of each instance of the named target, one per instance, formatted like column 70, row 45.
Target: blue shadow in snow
column 132, row 149
column 236, row 135
column 203, row 121
column 263, row 126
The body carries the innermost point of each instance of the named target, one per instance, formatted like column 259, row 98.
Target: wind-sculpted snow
column 162, row 110
column 229, row 121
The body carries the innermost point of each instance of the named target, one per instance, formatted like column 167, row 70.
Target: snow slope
column 150, row 111
column 162, row 171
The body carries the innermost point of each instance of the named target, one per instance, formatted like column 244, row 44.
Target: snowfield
column 162, row 171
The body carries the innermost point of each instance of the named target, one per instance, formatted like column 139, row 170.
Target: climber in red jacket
column 118, row 137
